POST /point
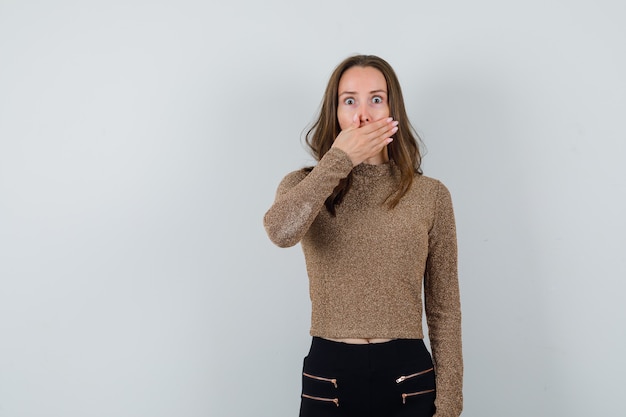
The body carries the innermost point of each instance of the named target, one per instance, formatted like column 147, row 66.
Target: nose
column 364, row 115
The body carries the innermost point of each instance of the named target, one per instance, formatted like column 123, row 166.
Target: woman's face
column 362, row 91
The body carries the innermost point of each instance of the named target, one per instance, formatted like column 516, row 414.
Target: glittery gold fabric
column 369, row 266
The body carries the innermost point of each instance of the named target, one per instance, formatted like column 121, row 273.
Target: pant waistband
column 369, row 356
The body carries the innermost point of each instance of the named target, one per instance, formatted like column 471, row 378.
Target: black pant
column 392, row 379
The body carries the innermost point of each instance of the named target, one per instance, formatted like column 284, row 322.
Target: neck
column 378, row 159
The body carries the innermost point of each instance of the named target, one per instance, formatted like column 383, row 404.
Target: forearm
column 297, row 204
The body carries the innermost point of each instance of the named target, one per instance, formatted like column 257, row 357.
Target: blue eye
column 349, row 101
column 377, row 100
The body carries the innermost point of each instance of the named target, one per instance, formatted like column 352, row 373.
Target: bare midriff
column 359, row 341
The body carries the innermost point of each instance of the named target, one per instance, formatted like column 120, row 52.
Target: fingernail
column 389, row 119
column 394, row 130
column 396, row 123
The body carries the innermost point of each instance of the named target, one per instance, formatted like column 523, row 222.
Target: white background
column 142, row 141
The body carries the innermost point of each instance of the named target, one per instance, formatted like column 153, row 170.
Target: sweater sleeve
column 443, row 309
column 299, row 200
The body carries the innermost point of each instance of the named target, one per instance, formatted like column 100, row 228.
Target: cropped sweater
column 367, row 265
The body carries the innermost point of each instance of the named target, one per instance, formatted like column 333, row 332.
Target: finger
column 375, row 126
column 355, row 121
column 385, row 130
column 382, row 137
column 386, row 139
column 377, row 146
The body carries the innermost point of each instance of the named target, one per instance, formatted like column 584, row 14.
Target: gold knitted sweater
column 367, row 266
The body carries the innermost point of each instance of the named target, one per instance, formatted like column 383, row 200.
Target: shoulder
column 430, row 185
column 431, row 193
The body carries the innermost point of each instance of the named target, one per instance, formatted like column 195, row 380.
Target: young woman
column 376, row 235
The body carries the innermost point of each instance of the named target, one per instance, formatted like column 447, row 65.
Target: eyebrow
column 354, row 92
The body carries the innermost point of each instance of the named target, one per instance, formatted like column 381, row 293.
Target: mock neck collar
column 378, row 170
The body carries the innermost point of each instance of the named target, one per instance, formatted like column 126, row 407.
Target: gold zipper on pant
column 330, row 400
column 319, row 378
column 412, row 394
column 405, row 377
